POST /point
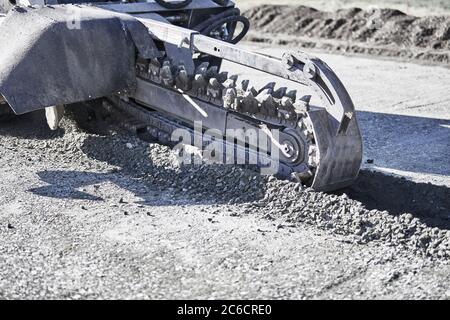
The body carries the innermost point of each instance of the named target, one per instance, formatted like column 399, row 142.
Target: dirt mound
column 377, row 31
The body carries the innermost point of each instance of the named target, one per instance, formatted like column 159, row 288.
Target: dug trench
column 397, row 195
column 378, row 208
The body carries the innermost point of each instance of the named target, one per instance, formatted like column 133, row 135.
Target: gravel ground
column 85, row 215
column 98, row 213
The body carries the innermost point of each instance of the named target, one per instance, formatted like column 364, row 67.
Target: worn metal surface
column 177, row 105
column 151, row 6
column 51, row 61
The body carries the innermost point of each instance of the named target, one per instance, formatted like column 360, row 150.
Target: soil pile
column 386, row 32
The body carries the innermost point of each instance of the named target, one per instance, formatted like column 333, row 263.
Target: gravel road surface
column 101, row 214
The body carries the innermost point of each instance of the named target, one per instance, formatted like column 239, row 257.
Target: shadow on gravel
column 157, row 184
column 19, row 126
column 428, row 202
column 407, row 143
column 63, row 184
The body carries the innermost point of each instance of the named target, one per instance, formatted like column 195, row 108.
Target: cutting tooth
column 200, row 82
column 141, row 67
column 212, row 72
column 287, row 104
column 166, row 73
column 222, row 77
column 199, row 85
column 229, row 98
column 243, row 85
column 233, row 80
column 302, row 104
column 202, row 68
column 213, row 82
column 214, row 90
column 269, row 107
column 292, row 94
column 278, row 94
column 229, row 83
column 253, row 91
column 183, row 80
column 248, row 103
column 153, row 68
column 268, row 87
column 306, row 99
column 263, row 94
column 287, row 109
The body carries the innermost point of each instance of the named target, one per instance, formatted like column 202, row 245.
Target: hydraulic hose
column 232, row 17
column 173, row 5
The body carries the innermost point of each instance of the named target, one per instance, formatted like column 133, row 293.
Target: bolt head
column 309, row 70
column 288, row 60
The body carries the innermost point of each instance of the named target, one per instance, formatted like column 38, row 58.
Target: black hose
column 211, row 20
column 173, row 5
column 232, row 17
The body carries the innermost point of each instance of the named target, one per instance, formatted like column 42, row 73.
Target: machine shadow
column 407, row 143
column 29, row 126
column 64, row 184
column 136, row 174
column 425, row 201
